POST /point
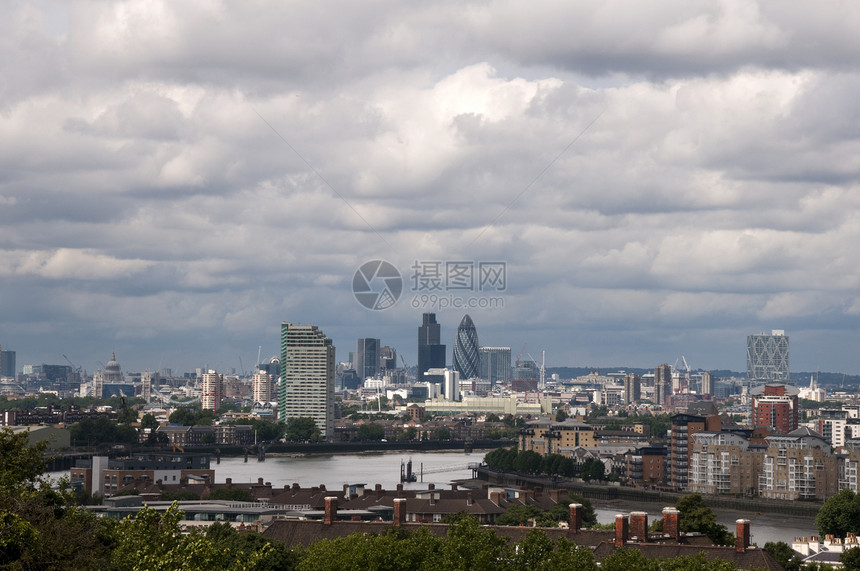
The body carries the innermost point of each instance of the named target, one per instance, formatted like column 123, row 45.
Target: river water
column 442, row 467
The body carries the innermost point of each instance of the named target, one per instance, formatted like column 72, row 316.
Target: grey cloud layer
column 146, row 206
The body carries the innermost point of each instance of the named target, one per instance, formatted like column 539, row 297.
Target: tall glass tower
column 767, row 357
column 467, row 361
column 307, row 376
column 431, row 353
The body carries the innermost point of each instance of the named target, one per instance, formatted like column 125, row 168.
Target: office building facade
column 367, row 358
column 307, row 376
column 767, row 357
column 662, row 383
column 495, row 365
column 431, row 352
column 7, row 364
column 466, row 359
column 262, row 386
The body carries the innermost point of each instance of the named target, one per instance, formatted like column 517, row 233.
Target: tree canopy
column 839, row 514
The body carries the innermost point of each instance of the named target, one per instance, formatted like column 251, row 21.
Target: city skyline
column 651, row 181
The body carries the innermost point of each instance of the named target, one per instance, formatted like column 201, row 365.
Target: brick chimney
column 496, row 497
column 399, row 511
column 330, row 510
column 639, row 525
column 399, row 488
column 621, row 530
column 468, row 498
column 453, row 486
column 671, row 525
column 575, row 517
column 431, row 486
column 259, row 481
column 229, row 482
column 742, row 538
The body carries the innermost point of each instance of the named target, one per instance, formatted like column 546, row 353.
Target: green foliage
column 442, row 434
column 126, row 415
column 592, row 469
column 370, row 431
column 557, row 465
column 471, row 547
column 41, row 525
column 560, row 415
column 520, row 515
column 528, row 462
column 302, row 429
column 784, row 555
column 411, row 433
column 232, row 494
column 98, row 431
column 696, row 516
column 149, row 421
column 850, row 559
column 839, row 514
column 501, row 459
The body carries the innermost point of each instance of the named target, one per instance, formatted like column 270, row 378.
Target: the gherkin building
column 466, row 359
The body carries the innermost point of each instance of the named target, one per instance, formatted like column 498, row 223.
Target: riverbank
column 626, row 495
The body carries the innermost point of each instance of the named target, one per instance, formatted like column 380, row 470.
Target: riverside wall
column 611, row 492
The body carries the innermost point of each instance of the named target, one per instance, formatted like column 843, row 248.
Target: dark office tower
column 7, row 364
column 662, row 383
column 431, row 354
column 367, row 358
column 632, row 388
column 467, row 361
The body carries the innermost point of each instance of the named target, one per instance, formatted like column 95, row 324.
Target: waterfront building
column 431, row 353
column 105, row 477
column 212, row 391
column 466, row 359
column 307, row 376
column 495, row 364
column 367, row 358
column 547, row 436
column 683, row 427
column 647, row 465
column 799, row 466
column 775, row 405
column 767, row 357
column 724, row 463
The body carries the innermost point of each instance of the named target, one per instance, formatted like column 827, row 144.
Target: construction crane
column 76, row 368
column 520, row 356
column 405, row 367
column 686, row 384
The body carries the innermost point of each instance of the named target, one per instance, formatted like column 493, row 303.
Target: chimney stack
column 639, row 526
column 671, row 525
column 621, row 530
column 330, row 510
column 742, row 539
column 468, row 498
column 575, row 517
column 453, row 486
column 399, row 511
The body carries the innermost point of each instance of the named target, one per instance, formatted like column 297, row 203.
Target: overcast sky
column 661, row 178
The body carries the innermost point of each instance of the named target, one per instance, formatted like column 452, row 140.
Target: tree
column 411, row 433
column 850, row 559
column 370, row 431
column 592, row 469
column 301, row 429
column 560, row 415
column 470, row 546
column 41, row 525
column 442, row 434
column 696, row 516
column 234, row 494
column 839, row 514
column 784, row 555
column 149, row 421
column 183, row 416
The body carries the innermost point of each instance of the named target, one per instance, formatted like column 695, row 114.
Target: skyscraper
column 466, row 359
column 662, row 383
column 632, row 388
column 767, row 357
column 213, row 391
column 367, row 358
column 307, row 376
column 495, row 364
column 7, row 364
column 431, row 353
column 262, row 386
